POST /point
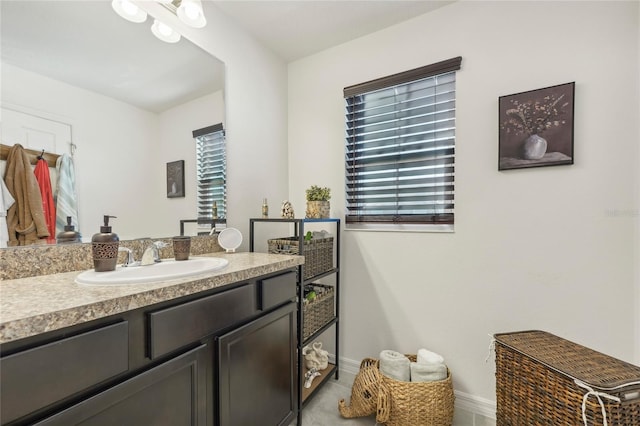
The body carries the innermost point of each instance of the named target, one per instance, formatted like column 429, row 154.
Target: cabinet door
column 173, row 393
column 257, row 371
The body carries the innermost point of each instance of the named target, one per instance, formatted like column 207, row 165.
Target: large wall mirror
column 130, row 101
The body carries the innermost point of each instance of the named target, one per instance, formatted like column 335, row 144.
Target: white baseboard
column 464, row 401
column 475, row 404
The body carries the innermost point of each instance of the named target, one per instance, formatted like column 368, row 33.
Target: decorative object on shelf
column 309, row 376
column 286, row 211
column 315, row 357
column 265, row 208
column 318, row 206
column 536, row 128
column 364, row 392
column 175, row 179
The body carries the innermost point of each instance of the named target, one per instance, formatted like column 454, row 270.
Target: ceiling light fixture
column 190, row 12
column 164, row 32
column 129, row 11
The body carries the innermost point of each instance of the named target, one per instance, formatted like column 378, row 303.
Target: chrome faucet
column 129, row 260
column 152, row 254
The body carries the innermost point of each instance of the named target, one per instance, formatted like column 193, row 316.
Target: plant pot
column 317, row 210
column 534, row 147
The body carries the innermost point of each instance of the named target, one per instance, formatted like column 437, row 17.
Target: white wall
column 548, row 248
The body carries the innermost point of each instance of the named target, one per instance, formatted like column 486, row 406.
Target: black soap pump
column 105, row 248
column 69, row 235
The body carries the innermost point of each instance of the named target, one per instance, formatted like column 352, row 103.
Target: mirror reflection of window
column 211, row 174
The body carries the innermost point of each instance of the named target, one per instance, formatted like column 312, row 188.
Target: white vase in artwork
column 534, row 147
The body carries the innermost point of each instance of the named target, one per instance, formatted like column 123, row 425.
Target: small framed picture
column 175, row 179
column 536, row 128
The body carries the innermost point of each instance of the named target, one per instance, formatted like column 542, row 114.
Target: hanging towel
column 428, row 372
column 395, row 365
column 25, row 218
column 48, row 206
column 66, row 200
column 427, row 357
column 6, row 201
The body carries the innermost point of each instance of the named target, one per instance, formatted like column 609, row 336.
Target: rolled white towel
column 395, row 365
column 428, row 372
column 427, row 357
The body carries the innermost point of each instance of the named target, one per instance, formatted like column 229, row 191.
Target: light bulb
column 128, row 7
column 190, row 12
column 164, row 32
column 129, row 11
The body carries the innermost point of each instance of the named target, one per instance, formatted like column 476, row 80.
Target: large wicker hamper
column 542, row 379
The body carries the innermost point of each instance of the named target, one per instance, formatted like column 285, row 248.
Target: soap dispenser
column 105, row 248
column 69, row 235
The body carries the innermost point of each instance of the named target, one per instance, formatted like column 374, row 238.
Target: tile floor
column 322, row 410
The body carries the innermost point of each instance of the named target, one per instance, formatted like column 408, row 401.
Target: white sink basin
column 166, row 270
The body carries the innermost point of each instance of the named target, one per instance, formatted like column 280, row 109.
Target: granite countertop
column 30, row 306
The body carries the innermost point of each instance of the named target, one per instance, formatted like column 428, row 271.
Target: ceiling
column 86, row 44
column 295, row 29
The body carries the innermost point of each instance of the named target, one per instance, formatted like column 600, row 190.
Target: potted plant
column 318, row 202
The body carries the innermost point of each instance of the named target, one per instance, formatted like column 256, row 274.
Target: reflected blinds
column 211, row 170
column 400, row 147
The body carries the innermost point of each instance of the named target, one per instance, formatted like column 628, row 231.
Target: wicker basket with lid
column 542, row 379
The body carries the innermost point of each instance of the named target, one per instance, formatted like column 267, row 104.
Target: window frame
column 411, row 222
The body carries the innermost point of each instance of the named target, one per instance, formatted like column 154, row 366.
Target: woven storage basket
column 317, row 252
column 536, row 375
column 319, row 311
column 364, row 392
column 415, row 403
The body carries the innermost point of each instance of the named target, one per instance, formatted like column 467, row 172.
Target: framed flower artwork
column 175, row 179
column 536, row 128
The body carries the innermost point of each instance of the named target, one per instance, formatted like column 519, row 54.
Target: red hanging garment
column 48, row 206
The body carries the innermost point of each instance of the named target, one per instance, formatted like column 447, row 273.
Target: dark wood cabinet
column 173, row 393
column 257, row 371
column 201, row 360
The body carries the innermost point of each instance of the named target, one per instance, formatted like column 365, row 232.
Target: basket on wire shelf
column 317, row 252
column 317, row 307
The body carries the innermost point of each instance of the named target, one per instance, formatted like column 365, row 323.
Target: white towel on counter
column 395, row 365
column 427, row 357
column 428, row 372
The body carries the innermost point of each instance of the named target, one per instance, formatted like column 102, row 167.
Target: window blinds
column 400, row 147
column 211, row 170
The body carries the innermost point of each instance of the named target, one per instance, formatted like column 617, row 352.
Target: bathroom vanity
column 213, row 349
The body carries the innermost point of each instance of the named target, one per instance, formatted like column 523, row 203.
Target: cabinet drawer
column 37, row 377
column 277, row 290
column 180, row 325
column 171, row 394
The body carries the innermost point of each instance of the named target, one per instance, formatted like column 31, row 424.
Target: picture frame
column 175, row 179
column 536, row 127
